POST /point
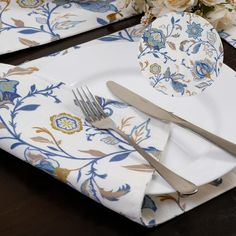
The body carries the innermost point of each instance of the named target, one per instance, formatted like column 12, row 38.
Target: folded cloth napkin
column 26, row 24
column 97, row 163
column 121, row 195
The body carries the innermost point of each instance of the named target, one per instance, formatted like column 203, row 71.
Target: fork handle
column 181, row 185
column 220, row 142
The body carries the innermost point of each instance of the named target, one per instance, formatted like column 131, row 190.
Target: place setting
column 129, row 124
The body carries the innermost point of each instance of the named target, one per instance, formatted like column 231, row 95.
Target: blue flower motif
column 152, row 223
column 8, row 90
column 202, row 69
column 47, row 166
column 154, row 38
column 194, row 30
column 178, row 86
column 99, row 6
column 90, row 5
column 148, row 203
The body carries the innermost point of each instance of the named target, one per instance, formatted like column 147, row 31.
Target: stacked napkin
column 26, row 24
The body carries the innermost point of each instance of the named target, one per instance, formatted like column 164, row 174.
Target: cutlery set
column 99, row 119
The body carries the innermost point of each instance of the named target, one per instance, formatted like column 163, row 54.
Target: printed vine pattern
column 155, row 40
column 45, row 150
column 180, row 54
column 132, row 34
column 45, row 21
column 228, row 37
column 176, row 199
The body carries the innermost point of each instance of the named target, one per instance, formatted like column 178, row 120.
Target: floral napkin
column 48, row 143
column 98, row 163
column 229, row 35
column 25, row 23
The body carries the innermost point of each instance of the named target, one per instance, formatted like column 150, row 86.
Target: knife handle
column 220, row 142
column 181, row 185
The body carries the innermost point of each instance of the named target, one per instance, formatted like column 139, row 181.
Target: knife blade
column 140, row 103
column 154, row 110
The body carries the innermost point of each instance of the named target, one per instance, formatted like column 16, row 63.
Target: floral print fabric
column 98, row 163
column 229, row 35
column 29, row 23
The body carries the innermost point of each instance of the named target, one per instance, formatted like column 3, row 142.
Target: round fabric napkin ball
column 180, row 54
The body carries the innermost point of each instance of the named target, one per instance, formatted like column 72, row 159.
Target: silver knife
column 154, row 110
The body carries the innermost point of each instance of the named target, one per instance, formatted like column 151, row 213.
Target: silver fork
column 98, row 118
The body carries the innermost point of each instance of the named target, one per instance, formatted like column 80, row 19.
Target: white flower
column 140, row 6
column 158, row 8
column 221, row 14
column 132, row 7
column 221, row 17
column 212, row 2
column 232, row 3
column 154, row 9
column 180, row 5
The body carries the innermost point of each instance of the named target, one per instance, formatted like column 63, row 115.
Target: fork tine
column 91, row 105
column 96, row 104
column 89, row 112
column 78, row 102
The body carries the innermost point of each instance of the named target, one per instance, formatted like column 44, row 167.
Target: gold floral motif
column 66, row 123
column 30, row 3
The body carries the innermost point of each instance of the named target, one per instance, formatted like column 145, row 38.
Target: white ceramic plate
column 186, row 153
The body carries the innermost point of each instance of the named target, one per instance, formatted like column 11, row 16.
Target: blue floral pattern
column 202, row 69
column 8, row 91
column 66, row 146
column 180, row 54
column 229, row 37
column 194, row 30
column 44, row 21
column 154, row 38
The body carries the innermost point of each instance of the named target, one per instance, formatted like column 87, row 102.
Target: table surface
column 46, row 206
